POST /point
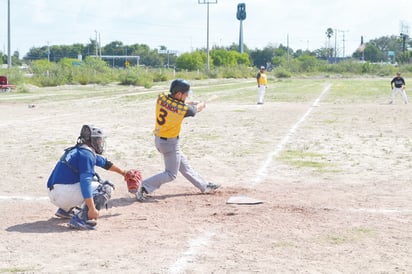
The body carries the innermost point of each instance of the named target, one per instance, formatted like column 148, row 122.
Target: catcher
column 74, row 186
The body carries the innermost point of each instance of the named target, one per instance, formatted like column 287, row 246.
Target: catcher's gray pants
column 174, row 160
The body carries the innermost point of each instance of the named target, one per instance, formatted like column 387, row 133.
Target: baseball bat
column 211, row 98
column 208, row 100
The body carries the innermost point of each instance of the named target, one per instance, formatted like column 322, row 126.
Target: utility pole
column 343, row 42
column 100, row 46
column 168, row 52
column 336, row 41
column 404, row 35
column 48, row 51
column 8, row 36
column 363, row 49
column 207, row 2
column 287, row 47
column 96, row 44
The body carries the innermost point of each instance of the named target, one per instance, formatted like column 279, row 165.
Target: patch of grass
column 304, row 159
column 210, row 137
column 290, row 154
column 330, row 121
column 350, row 236
column 16, row 270
column 139, row 96
column 57, row 143
column 283, row 244
column 352, row 91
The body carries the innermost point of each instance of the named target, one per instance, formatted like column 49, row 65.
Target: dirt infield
column 333, row 172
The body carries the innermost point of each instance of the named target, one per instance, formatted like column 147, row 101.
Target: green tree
column 373, row 54
column 322, row 53
column 377, row 50
column 192, row 61
column 403, row 57
column 222, row 57
column 261, row 57
column 308, row 63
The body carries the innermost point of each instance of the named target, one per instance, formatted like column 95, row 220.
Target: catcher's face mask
column 94, row 137
column 98, row 144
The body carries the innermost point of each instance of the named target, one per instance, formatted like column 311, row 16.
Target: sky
column 181, row 25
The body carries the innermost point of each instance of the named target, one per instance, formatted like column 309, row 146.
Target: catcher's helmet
column 179, row 85
column 93, row 137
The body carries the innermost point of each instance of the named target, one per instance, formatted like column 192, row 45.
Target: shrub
column 282, row 73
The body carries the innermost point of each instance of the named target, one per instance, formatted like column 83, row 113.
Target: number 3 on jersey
column 161, row 119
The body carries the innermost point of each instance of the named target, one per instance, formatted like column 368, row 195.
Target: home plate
column 243, row 200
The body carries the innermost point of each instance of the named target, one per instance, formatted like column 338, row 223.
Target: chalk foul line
column 262, row 172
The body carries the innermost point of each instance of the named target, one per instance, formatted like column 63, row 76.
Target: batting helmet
column 179, row 85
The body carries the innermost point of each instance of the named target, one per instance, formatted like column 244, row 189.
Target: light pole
column 97, row 52
column 8, row 36
column 168, row 52
column 207, row 39
column 48, row 52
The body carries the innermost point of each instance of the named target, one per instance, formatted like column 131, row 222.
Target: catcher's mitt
column 133, row 179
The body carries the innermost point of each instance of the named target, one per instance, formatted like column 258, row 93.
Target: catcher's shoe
column 77, row 223
column 61, row 213
column 211, row 187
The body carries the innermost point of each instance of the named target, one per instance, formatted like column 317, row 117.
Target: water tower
column 241, row 15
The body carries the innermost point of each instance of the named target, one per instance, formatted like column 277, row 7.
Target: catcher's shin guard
column 101, row 196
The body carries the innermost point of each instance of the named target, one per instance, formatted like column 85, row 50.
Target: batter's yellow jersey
column 170, row 113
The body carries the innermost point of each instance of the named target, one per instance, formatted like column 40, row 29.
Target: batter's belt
column 164, row 138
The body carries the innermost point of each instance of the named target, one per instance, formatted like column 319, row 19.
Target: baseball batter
column 398, row 85
column 171, row 109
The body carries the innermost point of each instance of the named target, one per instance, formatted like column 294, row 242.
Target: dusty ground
column 333, row 175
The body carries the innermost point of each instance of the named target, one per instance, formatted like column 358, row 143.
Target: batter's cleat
column 81, row 224
column 61, row 213
column 141, row 194
column 211, row 187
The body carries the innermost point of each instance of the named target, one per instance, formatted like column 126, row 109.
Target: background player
column 398, row 85
column 262, row 83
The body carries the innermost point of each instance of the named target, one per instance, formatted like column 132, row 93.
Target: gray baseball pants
column 175, row 161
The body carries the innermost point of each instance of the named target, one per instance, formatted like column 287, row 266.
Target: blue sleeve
column 101, row 161
column 87, row 161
